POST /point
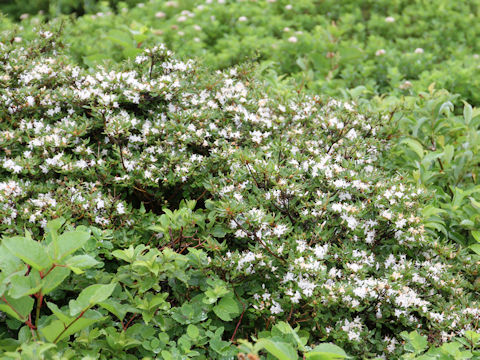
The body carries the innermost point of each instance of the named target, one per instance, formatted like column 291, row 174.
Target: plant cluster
column 384, row 46
column 282, row 215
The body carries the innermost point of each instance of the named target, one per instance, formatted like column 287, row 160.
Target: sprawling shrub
column 385, row 46
column 282, row 210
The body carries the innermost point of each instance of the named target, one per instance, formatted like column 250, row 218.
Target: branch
column 68, row 326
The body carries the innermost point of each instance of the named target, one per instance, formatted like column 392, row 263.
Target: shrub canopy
column 285, row 200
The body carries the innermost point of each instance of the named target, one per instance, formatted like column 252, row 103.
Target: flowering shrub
column 283, row 205
column 384, row 46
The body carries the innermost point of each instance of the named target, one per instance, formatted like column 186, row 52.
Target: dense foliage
column 385, row 46
column 152, row 207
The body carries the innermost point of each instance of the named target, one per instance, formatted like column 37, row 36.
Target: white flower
column 160, row 15
column 242, row 19
column 279, row 230
column 120, row 208
column 380, row 52
column 389, row 19
column 419, row 51
column 292, row 39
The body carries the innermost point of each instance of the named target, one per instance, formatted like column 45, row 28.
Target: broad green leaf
column 54, row 278
column 475, row 248
column 29, row 251
column 281, row 350
column 9, row 263
column 80, row 262
column 22, row 285
column 55, row 224
column 18, row 308
column 117, row 309
column 58, row 330
column 416, row 342
column 91, row 296
column 476, row 235
column 57, row 312
column 326, row 352
column 415, row 146
column 467, row 112
column 126, row 255
column 193, row 331
column 286, row 329
column 227, row 308
column 69, row 242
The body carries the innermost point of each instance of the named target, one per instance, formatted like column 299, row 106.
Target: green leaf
column 54, row 278
column 29, row 251
column 281, row 350
column 476, row 235
column 68, row 242
column 55, row 225
column 79, row 262
column 193, row 331
column 58, row 330
column 22, row 285
column 218, row 231
column 326, row 351
column 415, row 146
column 416, row 342
column 18, row 308
column 8, row 263
column 227, row 308
column 90, row 296
column 286, row 329
column 117, row 309
column 475, row 248
column 467, row 112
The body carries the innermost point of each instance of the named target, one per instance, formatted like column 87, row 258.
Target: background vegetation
column 154, row 207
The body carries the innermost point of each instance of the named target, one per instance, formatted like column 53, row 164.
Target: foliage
column 22, row 8
column 441, row 148
column 397, row 47
column 295, row 219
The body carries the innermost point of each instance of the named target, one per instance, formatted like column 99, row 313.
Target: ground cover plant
column 205, row 211
column 385, row 46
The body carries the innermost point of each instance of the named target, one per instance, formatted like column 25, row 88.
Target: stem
column 68, row 326
column 27, row 322
column 37, row 313
column 241, row 317
column 129, row 322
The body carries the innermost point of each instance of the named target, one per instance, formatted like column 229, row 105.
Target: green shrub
column 280, row 209
column 386, row 46
column 21, row 8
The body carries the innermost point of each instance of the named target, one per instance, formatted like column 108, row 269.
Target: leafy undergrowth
column 395, row 47
column 281, row 217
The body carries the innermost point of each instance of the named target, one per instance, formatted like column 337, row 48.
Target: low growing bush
column 217, row 210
